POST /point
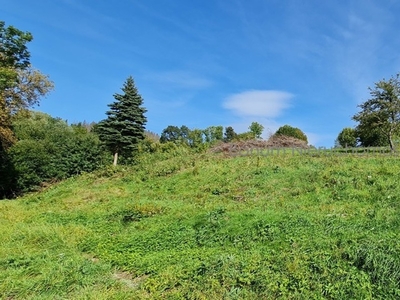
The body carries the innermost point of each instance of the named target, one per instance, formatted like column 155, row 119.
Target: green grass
column 208, row 227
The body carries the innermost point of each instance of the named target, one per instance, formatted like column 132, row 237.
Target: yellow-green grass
column 209, row 227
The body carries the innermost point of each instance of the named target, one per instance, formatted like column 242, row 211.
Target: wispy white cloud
column 355, row 43
column 356, row 49
column 259, row 103
column 81, row 19
column 361, row 46
column 180, row 79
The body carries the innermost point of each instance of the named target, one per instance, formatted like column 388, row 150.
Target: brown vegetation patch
column 273, row 142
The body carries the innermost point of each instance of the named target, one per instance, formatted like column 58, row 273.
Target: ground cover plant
column 206, row 226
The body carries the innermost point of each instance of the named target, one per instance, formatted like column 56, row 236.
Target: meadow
column 207, row 226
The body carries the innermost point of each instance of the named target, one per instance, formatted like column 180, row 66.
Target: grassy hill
column 203, row 226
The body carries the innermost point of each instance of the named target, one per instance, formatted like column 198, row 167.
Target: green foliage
column 13, row 50
column 230, row 134
column 256, row 129
column 347, row 138
column 149, row 146
column 288, row 130
column 124, row 128
column 255, row 132
column 213, row 134
column 20, row 85
column 174, row 134
column 49, row 150
column 368, row 136
column 196, row 138
column 171, row 134
column 180, row 225
column 244, row 136
column 381, row 113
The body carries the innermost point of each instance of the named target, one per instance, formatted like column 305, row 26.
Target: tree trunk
column 391, row 144
column 115, row 159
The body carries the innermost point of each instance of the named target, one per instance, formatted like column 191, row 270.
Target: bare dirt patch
column 128, row 280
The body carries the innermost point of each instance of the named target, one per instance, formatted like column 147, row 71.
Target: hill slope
column 207, row 227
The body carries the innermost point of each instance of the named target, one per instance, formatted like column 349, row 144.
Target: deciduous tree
column 213, row 134
column 382, row 111
column 347, row 137
column 171, row 134
column 256, row 129
column 370, row 137
column 20, row 85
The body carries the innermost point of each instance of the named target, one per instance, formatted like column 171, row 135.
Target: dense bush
column 347, row 138
column 245, row 136
column 48, row 149
column 370, row 137
column 288, row 130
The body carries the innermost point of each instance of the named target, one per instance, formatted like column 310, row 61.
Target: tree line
column 378, row 120
column 36, row 148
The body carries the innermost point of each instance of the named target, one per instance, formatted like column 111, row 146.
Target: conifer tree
column 230, row 134
column 125, row 126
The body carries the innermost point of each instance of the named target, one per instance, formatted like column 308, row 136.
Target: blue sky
column 214, row 62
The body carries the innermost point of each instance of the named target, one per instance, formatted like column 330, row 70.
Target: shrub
column 290, row 131
column 48, row 149
column 347, row 138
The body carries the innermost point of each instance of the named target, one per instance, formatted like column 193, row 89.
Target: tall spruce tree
column 124, row 128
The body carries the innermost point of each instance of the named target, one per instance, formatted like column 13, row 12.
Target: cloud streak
column 258, row 103
column 181, row 79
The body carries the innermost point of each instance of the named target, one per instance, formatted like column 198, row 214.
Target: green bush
column 347, row 138
column 288, row 130
column 245, row 136
column 49, row 150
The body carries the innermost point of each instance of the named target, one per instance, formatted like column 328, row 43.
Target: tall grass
column 199, row 226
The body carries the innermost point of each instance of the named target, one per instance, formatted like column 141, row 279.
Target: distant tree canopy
column 256, row 129
column 347, row 138
column 361, row 136
column 202, row 138
column 213, row 134
column 288, row 130
column 20, row 85
column 230, row 134
column 125, row 126
column 192, row 137
column 172, row 134
column 244, row 136
column 379, row 117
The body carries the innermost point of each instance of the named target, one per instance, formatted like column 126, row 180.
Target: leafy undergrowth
column 205, row 227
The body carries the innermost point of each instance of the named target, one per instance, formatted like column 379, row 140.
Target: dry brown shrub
column 272, row 142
